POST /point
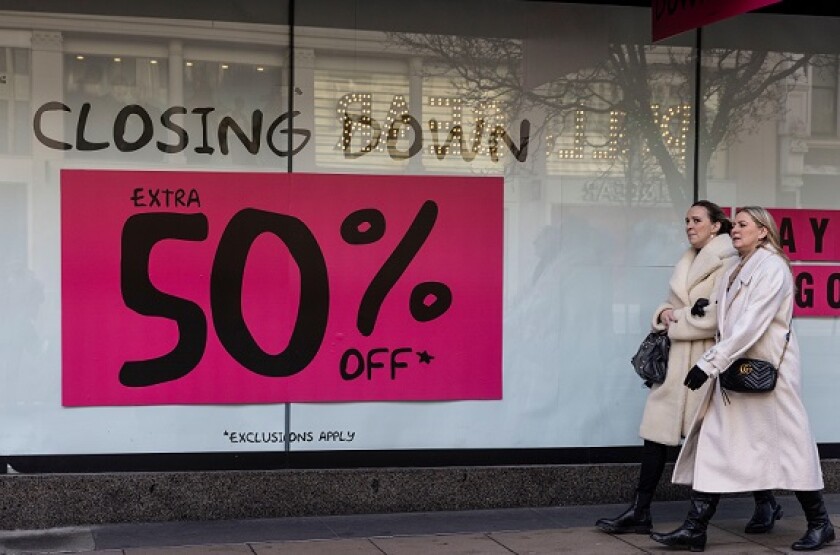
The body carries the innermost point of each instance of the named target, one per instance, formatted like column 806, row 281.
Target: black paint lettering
column 39, row 134
column 183, row 138
column 424, row 310
column 394, row 266
column 520, row 152
column 819, row 228
column 394, row 133
column 226, row 282
column 804, row 290
column 356, row 356
column 833, row 290
column 397, row 364
column 141, row 233
column 786, row 235
column 204, row 148
column 120, row 124
column 269, row 136
column 137, row 197
column 372, row 364
column 81, row 142
column 349, row 125
column 252, row 144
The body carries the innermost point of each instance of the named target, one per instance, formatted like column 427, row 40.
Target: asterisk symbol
column 425, row 357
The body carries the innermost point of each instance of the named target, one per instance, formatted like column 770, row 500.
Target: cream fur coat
column 759, row 440
column 671, row 406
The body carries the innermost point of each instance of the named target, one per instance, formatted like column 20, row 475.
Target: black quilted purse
column 751, row 375
column 651, row 360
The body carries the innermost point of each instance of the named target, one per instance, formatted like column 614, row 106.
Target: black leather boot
column 766, row 513
column 820, row 531
column 692, row 533
column 635, row 520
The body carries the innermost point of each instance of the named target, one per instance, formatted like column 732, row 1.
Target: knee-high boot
column 820, row 531
column 692, row 533
column 636, row 519
column 766, row 513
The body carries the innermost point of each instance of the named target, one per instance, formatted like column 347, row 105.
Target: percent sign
column 368, row 226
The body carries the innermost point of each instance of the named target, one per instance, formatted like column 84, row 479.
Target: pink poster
column 671, row 17
column 817, row 290
column 209, row 288
column 808, row 235
column 811, row 235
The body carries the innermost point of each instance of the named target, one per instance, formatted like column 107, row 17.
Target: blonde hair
column 763, row 218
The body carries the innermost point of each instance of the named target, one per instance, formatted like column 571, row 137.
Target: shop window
column 824, row 96
column 235, row 91
column 107, row 84
column 14, row 101
column 353, row 111
column 117, row 80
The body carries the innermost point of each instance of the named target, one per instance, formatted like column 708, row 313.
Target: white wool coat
column 758, row 441
column 671, row 406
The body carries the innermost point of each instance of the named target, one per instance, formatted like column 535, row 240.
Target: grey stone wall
column 52, row 500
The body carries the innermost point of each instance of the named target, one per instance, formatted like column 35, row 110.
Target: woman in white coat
column 753, row 441
column 690, row 320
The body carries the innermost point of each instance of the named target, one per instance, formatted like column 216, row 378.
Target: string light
column 615, row 135
column 351, row 125
column 452, row 129
column 576, row 152
column 398, row 109
column 355, row 111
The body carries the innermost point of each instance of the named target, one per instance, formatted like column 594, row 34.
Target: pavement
column 542, row 530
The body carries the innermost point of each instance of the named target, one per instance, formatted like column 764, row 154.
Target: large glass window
column 15, row 90
column 769, row 138
column 590, row 126
column 824, row 96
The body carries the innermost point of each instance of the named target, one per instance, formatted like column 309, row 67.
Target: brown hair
column 716, row 215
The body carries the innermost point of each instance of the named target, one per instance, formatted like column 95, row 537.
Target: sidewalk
column 503, row 531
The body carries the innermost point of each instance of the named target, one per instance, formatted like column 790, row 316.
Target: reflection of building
column 808, row 136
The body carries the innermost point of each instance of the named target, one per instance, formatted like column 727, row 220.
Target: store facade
column 559, row 146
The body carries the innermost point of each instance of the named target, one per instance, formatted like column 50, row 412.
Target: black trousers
column 653, row 464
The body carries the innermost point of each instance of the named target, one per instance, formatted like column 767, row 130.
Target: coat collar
column 693, row 267
column 758, row 257
column 710, row 258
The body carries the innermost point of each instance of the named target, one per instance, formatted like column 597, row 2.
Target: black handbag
column 751, row 375
column 651, row 360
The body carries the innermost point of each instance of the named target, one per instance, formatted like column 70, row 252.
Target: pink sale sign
column 214, row 288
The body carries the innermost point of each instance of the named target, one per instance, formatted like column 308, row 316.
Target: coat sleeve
column 689, row 327
column 655, row 323
column 765, row 295
column 692, row 328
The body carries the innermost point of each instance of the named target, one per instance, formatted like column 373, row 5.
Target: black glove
column 695, row 378
column 699, row 308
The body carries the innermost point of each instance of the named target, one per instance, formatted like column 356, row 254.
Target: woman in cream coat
column 689, row 319
column 752, row 441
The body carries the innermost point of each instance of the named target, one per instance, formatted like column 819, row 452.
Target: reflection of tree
column 738, row 90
